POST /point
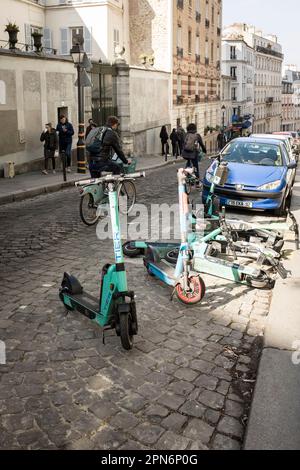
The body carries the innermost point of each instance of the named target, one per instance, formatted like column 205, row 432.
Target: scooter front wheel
column 195, row 294
column 125, row 331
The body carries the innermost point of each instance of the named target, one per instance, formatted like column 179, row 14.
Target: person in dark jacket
column 49, row 137
column 193, row 139
column 65, row 132
column 221, row 140
column 164, row 137
column 91, row 126
column 174, row 140
column 110, row 144
column 181, row 137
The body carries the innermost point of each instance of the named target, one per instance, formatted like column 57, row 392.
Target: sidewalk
column 274, row 422
column 29, row 185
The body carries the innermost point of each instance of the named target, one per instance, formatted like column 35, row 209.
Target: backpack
column 94, row 140
column 191, row 143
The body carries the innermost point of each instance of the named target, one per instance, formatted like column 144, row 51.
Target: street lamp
column 223, row 119
column 78, row 55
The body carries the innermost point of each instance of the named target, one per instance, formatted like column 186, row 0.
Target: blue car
column 261, row 175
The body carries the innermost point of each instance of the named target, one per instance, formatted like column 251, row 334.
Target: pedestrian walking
column 49, row 137
column 164, row 137
column 65, row 132
column 181, row 137
column 174, row 142
column 193, row 143
column 221, row 141
column 90, row 126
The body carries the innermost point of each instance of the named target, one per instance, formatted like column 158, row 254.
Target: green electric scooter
column 115, row 308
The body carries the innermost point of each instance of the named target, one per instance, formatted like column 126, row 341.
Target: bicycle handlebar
column 111, row 178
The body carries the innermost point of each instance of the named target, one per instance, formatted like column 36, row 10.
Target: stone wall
column 35, row 88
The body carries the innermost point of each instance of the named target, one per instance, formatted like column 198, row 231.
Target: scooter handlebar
column 111, row 178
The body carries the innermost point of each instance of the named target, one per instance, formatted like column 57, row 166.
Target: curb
column 21, row 195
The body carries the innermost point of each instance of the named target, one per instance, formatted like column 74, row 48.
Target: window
column 190, row 41
column 2, row 92
column 232, row 52
column 179, row 36
column 116, row 39
column 233, row 72
column 75, row 34
column 189, row 85
column 179, row 85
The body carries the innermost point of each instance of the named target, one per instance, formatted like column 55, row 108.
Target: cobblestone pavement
column 186, row 384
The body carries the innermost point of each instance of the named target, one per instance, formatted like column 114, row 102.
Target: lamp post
column 78, row 54
column 223, row 118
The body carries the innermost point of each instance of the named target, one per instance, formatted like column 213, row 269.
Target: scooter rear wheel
column 125, row 331
column 195, row 295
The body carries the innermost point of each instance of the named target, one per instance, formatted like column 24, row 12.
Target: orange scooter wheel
column 195, row 295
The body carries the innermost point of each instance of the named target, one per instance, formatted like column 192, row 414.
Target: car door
column 287, row 159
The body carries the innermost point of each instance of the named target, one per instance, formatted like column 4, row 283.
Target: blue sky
column 280, row 17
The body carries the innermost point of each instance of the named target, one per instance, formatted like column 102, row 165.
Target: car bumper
column 258, row 199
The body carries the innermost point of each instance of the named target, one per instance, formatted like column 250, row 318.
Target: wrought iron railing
column 21, row 47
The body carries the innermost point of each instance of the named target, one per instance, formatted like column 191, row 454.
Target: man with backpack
column 191, row 148
column 101, row 143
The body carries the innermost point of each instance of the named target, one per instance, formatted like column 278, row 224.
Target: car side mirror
column 292, row 165
column 215, row 157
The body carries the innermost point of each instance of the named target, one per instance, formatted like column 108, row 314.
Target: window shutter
column 28, row 38
column 64, row 41
column 87, row 40
column 47, row 38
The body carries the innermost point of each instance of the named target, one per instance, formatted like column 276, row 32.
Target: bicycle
column 94, row 194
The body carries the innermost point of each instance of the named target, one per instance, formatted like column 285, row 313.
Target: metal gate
column 104, row 95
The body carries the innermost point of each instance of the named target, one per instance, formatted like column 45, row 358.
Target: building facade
column 183, row 37
column 238, row 63
column 226, row 102
column 265, row 82
column 102, row 23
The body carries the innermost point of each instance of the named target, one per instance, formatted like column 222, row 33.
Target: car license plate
column 239, row 203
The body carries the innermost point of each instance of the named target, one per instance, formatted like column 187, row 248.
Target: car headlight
column 209, row 177
column 270, row 186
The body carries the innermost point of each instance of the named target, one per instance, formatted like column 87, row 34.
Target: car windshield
column 253, row 153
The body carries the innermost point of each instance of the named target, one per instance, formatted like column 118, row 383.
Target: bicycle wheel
column 127, row 191
column 88, row 209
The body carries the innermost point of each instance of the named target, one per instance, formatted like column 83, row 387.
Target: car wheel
column 282, row 209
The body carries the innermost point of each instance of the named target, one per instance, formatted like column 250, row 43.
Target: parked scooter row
column 178, row 265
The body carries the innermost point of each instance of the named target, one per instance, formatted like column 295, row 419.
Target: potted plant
column 12, row 29
column 37, row 40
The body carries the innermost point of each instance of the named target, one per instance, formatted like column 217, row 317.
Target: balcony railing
column 197, row 58
column 233, row 57
column 269, row 51
column 233, row 77
column 179, row 52
column 198, row 17
column 207, row 23
column 180, row 4
column 21, row 47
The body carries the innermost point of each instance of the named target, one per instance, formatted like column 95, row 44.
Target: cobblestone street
column 187, row 383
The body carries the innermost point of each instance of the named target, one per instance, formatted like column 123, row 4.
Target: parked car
column 288, row 141
column 294, row 139
column 261, row 175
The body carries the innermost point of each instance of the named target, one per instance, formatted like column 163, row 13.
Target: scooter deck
column 162, row 270
column 87, row 302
